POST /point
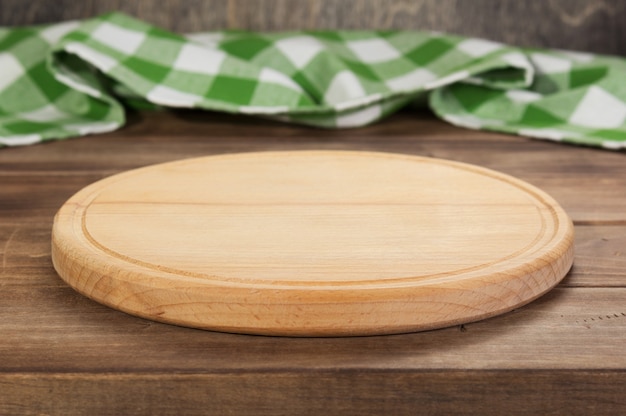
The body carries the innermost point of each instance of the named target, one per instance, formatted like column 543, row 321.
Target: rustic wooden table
column 61, row 353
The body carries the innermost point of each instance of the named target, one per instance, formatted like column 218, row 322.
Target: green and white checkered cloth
column 76, row 78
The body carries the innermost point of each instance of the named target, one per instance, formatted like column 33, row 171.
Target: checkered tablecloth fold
column 76, row 78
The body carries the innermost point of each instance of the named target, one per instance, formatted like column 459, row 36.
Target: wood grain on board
column 312, row 243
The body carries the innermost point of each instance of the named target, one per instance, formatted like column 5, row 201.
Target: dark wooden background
column 587, row 25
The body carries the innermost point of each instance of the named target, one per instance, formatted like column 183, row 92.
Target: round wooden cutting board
column 312, row 243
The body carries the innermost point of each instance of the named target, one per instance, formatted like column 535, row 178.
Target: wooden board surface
column 312, row 243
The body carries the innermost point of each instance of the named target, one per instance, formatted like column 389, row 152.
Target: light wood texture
column 63, row 354
column 312, row 243
column 588, row 25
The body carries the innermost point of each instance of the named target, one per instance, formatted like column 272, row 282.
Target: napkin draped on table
column 76, row 78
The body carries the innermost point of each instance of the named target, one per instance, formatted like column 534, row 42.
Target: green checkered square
column 188, row 82
column 429, row 51
column 266, row 95
column 581, row 77
column 235, row 90
column 245, row 47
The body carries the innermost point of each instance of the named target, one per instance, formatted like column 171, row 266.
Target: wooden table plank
column 50, row 328
column 600, row 257
column 324, row 392
column 589, row 183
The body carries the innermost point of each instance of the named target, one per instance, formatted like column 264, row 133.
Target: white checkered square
column 549, row 64
column 479, row 47
column 550, row 134
column 97, row 59
column 168, row 96
column 373, row 50
column 55, row 32
column 344, row 87
column 21, row 140
column 47, row 113
column 411, row 81
column 93, row 127
column 523, row 96
column 300, row 50
column 11, row 70
column 272, row 76
column 119, row 38
column 599, row 109
column 194, row 58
